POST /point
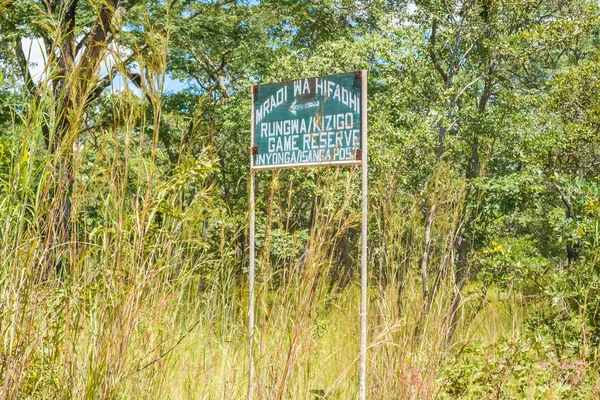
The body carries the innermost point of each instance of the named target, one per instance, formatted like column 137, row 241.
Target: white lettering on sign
column 329, row 89
column 299, row 125
column 270, row 103
column 310, row 155
column 301, row 87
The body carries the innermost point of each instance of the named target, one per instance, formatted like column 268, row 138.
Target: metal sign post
column 305, row 123
column 251, row 267
column 363, row 246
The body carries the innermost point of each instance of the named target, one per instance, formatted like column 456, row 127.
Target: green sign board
column 308, row 122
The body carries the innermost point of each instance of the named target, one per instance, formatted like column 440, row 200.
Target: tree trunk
column 460, row 278
column 572, row 253
column 425, row 279
column 462, row 272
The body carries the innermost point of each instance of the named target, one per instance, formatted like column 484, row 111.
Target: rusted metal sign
column 308, row 122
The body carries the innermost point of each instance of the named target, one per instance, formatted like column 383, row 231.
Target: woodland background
column 124, row 176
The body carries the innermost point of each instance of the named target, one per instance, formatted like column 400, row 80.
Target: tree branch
column 565, row 199
column 24, row 67
column 107, row 79
column 219, row 3
column 96, row 40
column 432, row 55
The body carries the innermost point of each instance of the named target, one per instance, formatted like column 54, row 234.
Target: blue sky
column 36, row 54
